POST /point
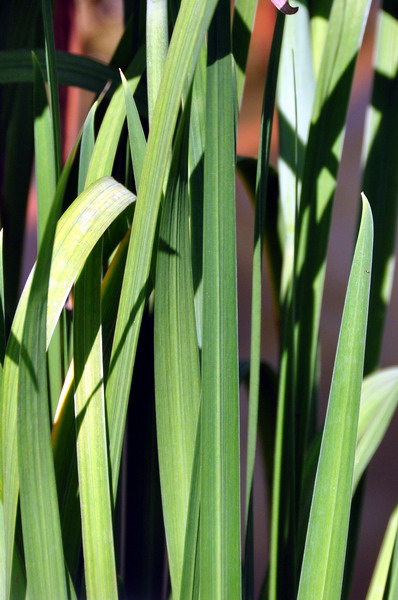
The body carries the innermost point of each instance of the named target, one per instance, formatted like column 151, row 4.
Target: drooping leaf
column 379, row 401
column 73, row 69
column 78, row 230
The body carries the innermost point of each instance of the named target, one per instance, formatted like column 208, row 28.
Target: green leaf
column 73, row 69
column 258, row 243
column 379, row 585
column 106, row 144
column 188, row 35
column 2, row 536
column 46, row 181
column 2, row 313
column 190, row 572
column 323, row 562
column 100, row 159
column 345, row 31
column 52, row 78
column 295, row 99
column 296, row 88
column 137, row 139
column 219, row 541
column 195, row 158
column 94, row 490
column 86, row 146
column 46, row 175
column 41, row 526
column 78, row 230
column 177, row 371
column 379, row 401
column 320, row 14
column 92, row 452
column 156, row 48
column 393, row 574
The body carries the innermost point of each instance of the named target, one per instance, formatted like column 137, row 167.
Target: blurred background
column 93, row 27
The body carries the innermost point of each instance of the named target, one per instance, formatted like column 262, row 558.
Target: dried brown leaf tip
column 284, row 6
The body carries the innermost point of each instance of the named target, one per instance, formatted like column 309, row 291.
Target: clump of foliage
column 139, row 222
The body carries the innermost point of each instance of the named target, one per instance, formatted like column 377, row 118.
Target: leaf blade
column 323, row 562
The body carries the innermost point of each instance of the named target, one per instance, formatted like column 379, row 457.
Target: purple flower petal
column 284, row 6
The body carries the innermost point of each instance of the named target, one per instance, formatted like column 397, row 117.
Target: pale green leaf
column 377, row 589
column 188, row 35
column 78, row 230
column 86, row 146
column 323, row 154
column 92, row 458
column 2, row 313
column 323, row 562
column 177, row 372
column 137, row 139
column 379, row 401
column 157, row 38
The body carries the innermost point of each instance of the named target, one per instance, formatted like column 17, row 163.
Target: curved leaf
column 78, row 230
column 379, row 583
column 379, row 401
column 73, row 69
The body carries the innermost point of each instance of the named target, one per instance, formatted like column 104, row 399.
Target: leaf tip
column 365, row 203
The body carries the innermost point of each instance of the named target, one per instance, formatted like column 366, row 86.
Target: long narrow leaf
column 177, row 372
column 2, row 313
column 156, row 48
column 78, row 230
column 38, row 495
column 94, row 491
column 323, row 562
column 73, row 69
column 86, row 146
column 92, row 457
column 296, row 88
column 378, row 585
column 52, row 78
column 379, row 401
column 46, row 181
column 188, row 35
column 195, row 158
column 137, row 139
column 346, row 26
column 219, row 541
column 295, row 98
column 258, row 244
column 101, row 160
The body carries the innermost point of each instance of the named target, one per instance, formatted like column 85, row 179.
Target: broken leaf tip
column 284, row 7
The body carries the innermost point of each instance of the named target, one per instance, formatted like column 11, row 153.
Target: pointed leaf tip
column 284, row 7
